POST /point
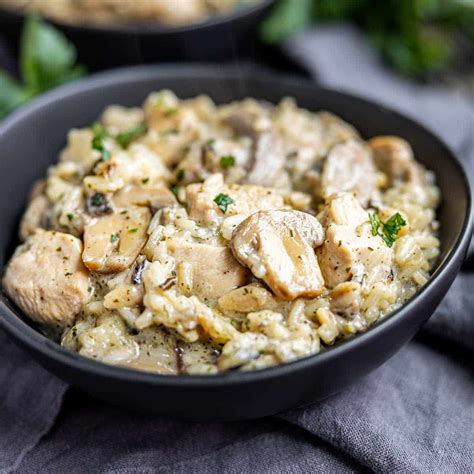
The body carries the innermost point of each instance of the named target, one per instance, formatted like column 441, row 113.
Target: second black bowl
column 29, row 142
column 219, row 38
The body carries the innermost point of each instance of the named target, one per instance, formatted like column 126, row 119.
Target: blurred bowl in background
column 219, row 38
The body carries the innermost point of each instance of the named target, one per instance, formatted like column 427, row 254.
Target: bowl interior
column 31, row 139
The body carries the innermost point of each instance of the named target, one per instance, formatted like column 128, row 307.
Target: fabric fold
column 30, row 399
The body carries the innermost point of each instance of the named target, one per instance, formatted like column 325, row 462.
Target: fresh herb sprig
column 388, row 230
column 227, row 161
column 415, row 36
column 47, row 59
column 223, row 201
column 100, row 134
column 125, row 138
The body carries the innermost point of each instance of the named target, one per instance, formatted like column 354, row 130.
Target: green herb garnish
column 97, row 199
column 70, row 217
column 100, row 133
column 171, row 111
column 133, row 231
column 145, row 180
column 388, row 230
column 415, row 36
column 125, row 138
column 47, row 59
column 227, row 161
column 180, row 174
column 170, row 131
column 114, row 238
column 223, row 201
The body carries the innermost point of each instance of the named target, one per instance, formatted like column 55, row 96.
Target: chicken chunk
column 213, row 270
column 35, row 216
column 278, row 247
column 394, row 156
column 346, row 299
column 46, row 278
column 112, row 242
column 246, row 199
column 350, row 251
column 349, row 167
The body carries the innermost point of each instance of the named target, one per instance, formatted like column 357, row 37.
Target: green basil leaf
column 12, row 94
column 287, row 17
column 47, row 58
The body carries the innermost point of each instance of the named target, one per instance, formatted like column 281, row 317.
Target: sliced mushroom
column 246, row 299
column 278, row 247
column 156, row 197
column 113, row 242
column 349, row 167
column 394, row 156
column 213, row 270
column 191, row 168
column 268, row 155
column 46, row 278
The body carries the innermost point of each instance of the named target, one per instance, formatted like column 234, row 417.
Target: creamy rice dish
column 185, row 237
column 103, row 12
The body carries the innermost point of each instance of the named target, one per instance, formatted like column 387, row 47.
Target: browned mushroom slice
column 278, row 247
column 247, row 299
column 213, row 270
column 394, row 156
column 268, row 155
column 153, row 196
column 46, row 278
column 349, row 167
column 113, row 242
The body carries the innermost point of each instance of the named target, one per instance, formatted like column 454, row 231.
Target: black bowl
column 220, row 38
column 29, row 141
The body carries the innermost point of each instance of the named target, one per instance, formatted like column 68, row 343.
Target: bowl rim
column 36, row 342
column 151, row 29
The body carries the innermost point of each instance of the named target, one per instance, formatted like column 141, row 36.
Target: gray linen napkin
column 414, row 414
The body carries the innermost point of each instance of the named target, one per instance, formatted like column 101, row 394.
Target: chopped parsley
column 223, row 201
column 114, row 238
column 133, row 231
column 388, row 230
column 180, row 174
column 171, row 111
column 145, row 180
column 100, row 133
column 70, row 217
column 227, row 161
column 210, row 142
column 170, row 131
column 97, row 199
column 125, row 138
